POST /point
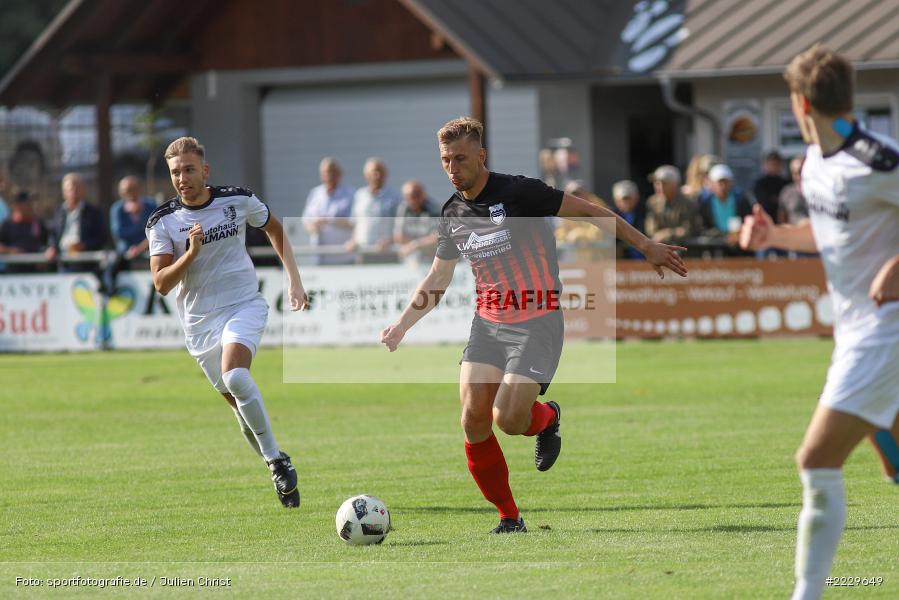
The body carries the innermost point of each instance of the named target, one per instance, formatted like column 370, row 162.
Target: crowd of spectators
column 373, row 224
column 705, row 211
column 77, row 227
column 377, row 223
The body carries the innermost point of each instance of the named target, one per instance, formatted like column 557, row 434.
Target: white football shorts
column 241, row 324
column 864, row 382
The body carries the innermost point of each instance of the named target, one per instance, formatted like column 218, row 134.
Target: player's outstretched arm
column 296, row 294
column 657, row 254
column 759, row 233
column 167, row 271
column 425, row 298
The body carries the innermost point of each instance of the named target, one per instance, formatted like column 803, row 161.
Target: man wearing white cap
column 723, row 210
column 670, row 216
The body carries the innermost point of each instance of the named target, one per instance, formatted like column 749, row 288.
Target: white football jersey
column 222, row 274
column 853, row 203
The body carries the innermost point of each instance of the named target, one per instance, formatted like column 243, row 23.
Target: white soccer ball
column 363, row 520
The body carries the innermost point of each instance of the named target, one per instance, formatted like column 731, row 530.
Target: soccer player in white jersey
column 851, row 182
column 197, row 247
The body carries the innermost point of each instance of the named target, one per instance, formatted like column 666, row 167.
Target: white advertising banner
column 48, row 312
column 349, row 306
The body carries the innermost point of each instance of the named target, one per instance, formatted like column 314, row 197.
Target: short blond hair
column 824, row 77
column 185, row 145
column 462, row 128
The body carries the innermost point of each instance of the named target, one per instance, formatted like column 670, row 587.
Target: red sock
column 488, row 467
column 542, row 416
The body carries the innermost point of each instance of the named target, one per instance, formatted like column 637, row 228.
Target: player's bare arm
column 166, row 271
column 759, row 233
column 296, row 294
column 657, row 254
column 407, row 247
column 427, row 295
column 885, row 287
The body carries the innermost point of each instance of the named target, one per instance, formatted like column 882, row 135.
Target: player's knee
column 815, row 457
column 802, row 458
column 475, row 420
column 509, row 422
column 239, row 382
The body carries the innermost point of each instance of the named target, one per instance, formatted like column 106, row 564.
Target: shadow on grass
column 585, row 509
column 736, row 529
column 728, row 529
column 417, row 543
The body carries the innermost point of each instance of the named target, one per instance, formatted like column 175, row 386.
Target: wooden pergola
column 104, row 52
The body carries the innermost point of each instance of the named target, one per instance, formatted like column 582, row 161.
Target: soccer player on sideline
column 851, row 181
column 197, row 244
column 514, row 347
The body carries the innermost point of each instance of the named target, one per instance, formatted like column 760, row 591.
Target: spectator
column 793, row 209
column 697, row 176
column 22, row 232
column 581, row 234
column 549, row 171
column 128, row 218
column 670, row 217
column 723, row 210
column 76, row 226
column 374, row 208
column 415, row 226
column 4, row 194
column 629, row 207
column 767, row 188
column 326, row 216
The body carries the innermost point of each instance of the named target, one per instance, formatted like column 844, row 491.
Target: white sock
column 821, row 524
column 249, row 402
column 247, row 432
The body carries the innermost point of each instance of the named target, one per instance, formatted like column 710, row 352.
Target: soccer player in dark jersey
column 497, row 222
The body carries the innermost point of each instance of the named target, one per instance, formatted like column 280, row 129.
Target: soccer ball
column 363, row 520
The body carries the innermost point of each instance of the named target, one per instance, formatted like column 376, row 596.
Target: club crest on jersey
column 230, row 212
column 498, row 213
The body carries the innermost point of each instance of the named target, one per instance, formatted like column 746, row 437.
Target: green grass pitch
column 675, row 482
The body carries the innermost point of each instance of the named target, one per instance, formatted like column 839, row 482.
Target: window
column 876, row 113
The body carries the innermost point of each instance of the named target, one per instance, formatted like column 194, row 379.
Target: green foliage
column 146, row 126
column 675, row 482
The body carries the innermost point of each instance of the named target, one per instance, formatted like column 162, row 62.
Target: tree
column 146, row 124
